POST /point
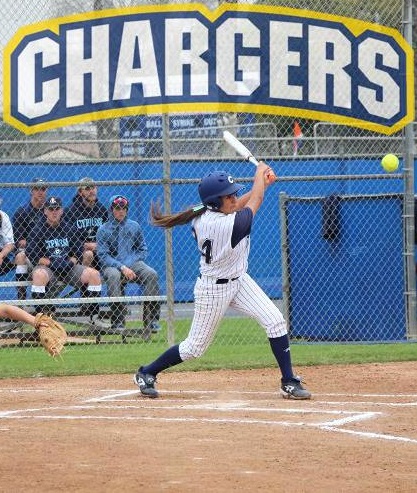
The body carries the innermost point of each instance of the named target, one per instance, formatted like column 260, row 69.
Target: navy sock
column 171, row 357
column 281, row 348
column 21, row 290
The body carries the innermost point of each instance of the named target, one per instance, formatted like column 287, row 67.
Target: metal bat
column 245, row 152
column 239, row 147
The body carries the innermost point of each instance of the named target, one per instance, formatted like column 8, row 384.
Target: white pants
column 211, row 302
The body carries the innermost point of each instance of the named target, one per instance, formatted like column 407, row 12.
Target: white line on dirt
column 349, row 419
column 367, row 403
column 117, row 393
column 348, row 416
column 379, row 436
column 368, row 434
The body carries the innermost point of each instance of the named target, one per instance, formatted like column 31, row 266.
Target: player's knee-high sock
column 281, row 348
column 92, row 291
column 21, row 275
column 38, row 292
column 171, row 357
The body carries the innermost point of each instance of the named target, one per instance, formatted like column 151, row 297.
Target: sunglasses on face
column 120, row 203
column 89, row 187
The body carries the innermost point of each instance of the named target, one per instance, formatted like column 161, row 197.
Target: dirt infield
column 217, row 431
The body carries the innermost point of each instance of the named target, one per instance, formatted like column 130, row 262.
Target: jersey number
column 206, row 249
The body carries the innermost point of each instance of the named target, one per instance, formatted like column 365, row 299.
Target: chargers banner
column 186, row 58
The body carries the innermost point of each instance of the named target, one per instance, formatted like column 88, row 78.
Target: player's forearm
column 243, row 200
column 6, row 250
column 258, row 188
column 16, row 313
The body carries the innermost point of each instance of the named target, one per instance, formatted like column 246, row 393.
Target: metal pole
column 408, row 158
column 166, row 156
column 283, row 198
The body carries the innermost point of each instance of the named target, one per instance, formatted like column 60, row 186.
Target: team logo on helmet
column 216, row 185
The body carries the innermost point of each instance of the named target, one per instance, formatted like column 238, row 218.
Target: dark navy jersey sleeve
column 24, row 220
column 242, row 226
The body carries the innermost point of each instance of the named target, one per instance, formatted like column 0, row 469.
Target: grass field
column 233, row 348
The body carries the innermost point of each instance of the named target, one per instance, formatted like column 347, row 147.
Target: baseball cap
column 38, row 183
column 86, row 182
column 53, row 203
column 119, row 202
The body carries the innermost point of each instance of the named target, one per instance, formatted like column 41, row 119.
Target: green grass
column 237, row 345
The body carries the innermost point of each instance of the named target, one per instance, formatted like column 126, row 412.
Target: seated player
column 87, row 214
column 24, row 220
column 55, row 250
column 122, row 251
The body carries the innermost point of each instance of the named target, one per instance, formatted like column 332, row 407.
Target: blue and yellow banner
column 186, row 58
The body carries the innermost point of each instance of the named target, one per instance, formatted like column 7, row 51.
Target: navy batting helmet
column 216, row 185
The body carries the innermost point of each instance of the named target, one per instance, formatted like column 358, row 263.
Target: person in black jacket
column 87, row 214
column 55, row 249
column 24, row 219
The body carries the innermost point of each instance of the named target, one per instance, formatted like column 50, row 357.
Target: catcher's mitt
column 52, row 334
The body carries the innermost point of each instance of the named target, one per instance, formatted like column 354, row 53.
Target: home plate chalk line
column 126, row 405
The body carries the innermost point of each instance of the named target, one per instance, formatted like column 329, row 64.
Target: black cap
column 53, row 203
column 39, row 183
column 86, row 182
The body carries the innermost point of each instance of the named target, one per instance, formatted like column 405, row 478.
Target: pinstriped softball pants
column 211, row 302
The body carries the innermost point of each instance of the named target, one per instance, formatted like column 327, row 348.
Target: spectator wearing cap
column 55, row 250
column 6, row 244
column 122, row 251
column 23, row 221
column 87, row 214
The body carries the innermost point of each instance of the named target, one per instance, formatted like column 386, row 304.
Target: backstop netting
column 113, row 91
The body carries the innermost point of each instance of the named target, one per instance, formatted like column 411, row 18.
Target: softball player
column 221, row 226
column 55, row 250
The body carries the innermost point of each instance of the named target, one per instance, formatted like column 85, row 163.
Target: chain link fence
column 330, row 289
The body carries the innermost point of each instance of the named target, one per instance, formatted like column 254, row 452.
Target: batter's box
column 265, row 408
column 212, row 407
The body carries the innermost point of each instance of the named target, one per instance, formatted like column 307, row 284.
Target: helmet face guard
column 216, row 185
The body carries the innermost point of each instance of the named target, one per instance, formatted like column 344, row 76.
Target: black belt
column 224, row 281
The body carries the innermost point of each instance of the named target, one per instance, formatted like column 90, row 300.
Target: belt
column 223, row 281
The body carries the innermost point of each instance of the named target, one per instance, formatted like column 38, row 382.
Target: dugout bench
column 67, row 313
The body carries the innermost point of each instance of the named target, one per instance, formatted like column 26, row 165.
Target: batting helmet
column 216, row 185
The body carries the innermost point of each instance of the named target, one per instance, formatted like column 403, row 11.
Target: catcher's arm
column 52, row 334
column 16, row 313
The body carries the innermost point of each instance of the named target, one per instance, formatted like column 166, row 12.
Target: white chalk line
column 350, row 416
column 367, row 403
column 195, row 391
column 333, row 425
column 368, row 434
column 221, row 407
column 378, row 436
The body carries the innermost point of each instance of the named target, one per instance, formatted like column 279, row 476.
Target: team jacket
column 24, row 219
column 85, row 219
column 56, row 243
column 120, row 243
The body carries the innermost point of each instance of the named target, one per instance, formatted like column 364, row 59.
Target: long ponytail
column 177, row 219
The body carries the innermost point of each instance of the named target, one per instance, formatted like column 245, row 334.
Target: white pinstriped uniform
column 213, row 231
